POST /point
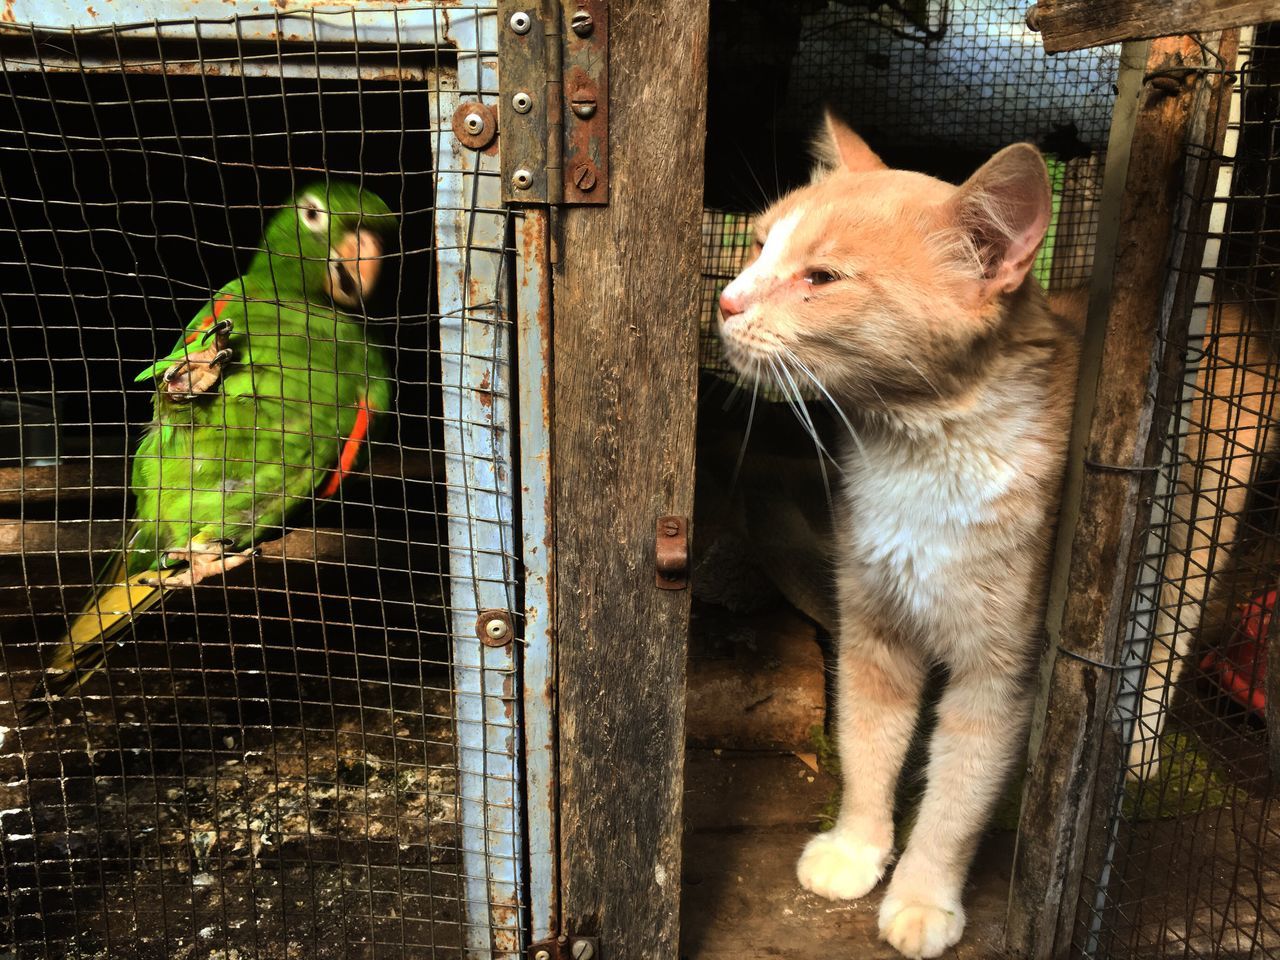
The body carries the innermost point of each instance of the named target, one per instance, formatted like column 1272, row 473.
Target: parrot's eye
column 314, row 217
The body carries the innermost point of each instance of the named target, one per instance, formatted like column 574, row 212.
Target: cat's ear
column 1004, row 209
column 838, row 146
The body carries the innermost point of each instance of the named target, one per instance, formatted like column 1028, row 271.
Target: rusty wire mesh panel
column 1184, row 857
column 938, row 90
column 268, row 764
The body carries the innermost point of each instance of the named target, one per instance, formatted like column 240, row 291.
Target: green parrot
column 263, row 406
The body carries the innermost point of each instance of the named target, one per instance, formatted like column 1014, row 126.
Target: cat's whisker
column 746, row 165
column 791, row 391
column 923, row 377
column 746, row 434
column 853, row 434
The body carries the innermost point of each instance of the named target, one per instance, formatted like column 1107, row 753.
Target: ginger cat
column 909, row 301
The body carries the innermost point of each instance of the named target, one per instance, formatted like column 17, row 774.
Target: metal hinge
column 565, row 948
column 553, row 86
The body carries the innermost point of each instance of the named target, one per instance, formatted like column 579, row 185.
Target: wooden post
column 1114, row 431
column 625, row 336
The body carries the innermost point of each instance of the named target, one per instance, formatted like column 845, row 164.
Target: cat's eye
column 820, row 277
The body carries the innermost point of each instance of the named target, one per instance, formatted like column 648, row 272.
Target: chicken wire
column 310, row 756
column 1184, row 860
column 936, row 86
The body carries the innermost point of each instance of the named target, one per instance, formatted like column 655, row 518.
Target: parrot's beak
column 354, row 265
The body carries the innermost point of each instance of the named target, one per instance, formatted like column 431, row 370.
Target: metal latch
column 671, row 553
column 553, row 85
column 565, row 948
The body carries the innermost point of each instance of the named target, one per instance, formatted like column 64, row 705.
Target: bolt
column 497, row 629
column 473, row 123
column 584, row 177
column 522, row 102
column 582, row 23
column 582, row 950
column 542, row 955
column 522, row 179
column 584, row 108
column 670, row 528
column 521, row 22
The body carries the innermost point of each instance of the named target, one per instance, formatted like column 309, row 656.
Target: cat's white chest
column 917, row 512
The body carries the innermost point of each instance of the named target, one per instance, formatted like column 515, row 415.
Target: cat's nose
column 732, row 303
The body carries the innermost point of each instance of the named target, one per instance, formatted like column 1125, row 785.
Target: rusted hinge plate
column 671, row 553
column 565, row 948
column 553, row 82
column 585, row 88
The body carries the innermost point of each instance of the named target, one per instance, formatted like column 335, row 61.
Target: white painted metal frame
column 475, row 346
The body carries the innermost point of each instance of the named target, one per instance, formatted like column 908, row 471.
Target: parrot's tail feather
column 84, row 649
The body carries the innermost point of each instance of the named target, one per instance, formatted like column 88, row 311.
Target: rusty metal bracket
column 671, row 553
column 553, row 82
column 565, row 948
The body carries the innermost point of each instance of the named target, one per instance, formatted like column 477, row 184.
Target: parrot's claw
column 204, row 558
column 222, row 326
column 197, row 374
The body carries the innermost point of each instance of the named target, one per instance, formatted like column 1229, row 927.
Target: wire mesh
column 268, row 764
column 937, row 86
column 1185, row 860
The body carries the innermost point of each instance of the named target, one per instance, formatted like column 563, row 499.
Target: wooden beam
column 1114, row 431
column 1074, row 24
column 625, row 347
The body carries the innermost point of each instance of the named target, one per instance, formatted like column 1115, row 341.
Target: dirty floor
column 755, row 790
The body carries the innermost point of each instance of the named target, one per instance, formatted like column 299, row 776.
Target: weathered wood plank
column 1074, row 24
column 625, row 354
column 1115, row 407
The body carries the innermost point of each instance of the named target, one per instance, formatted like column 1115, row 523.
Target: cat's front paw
column 840, row 868
column 920, row 930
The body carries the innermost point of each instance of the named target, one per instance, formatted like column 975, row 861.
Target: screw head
column 522, row 179
column 582, row 24
column 584, row 109
column 473, row 123
column 582, row 950
column 542, row 955
column 584, row 177
column 496, row 629
column 521, row 102
column 520, row 22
